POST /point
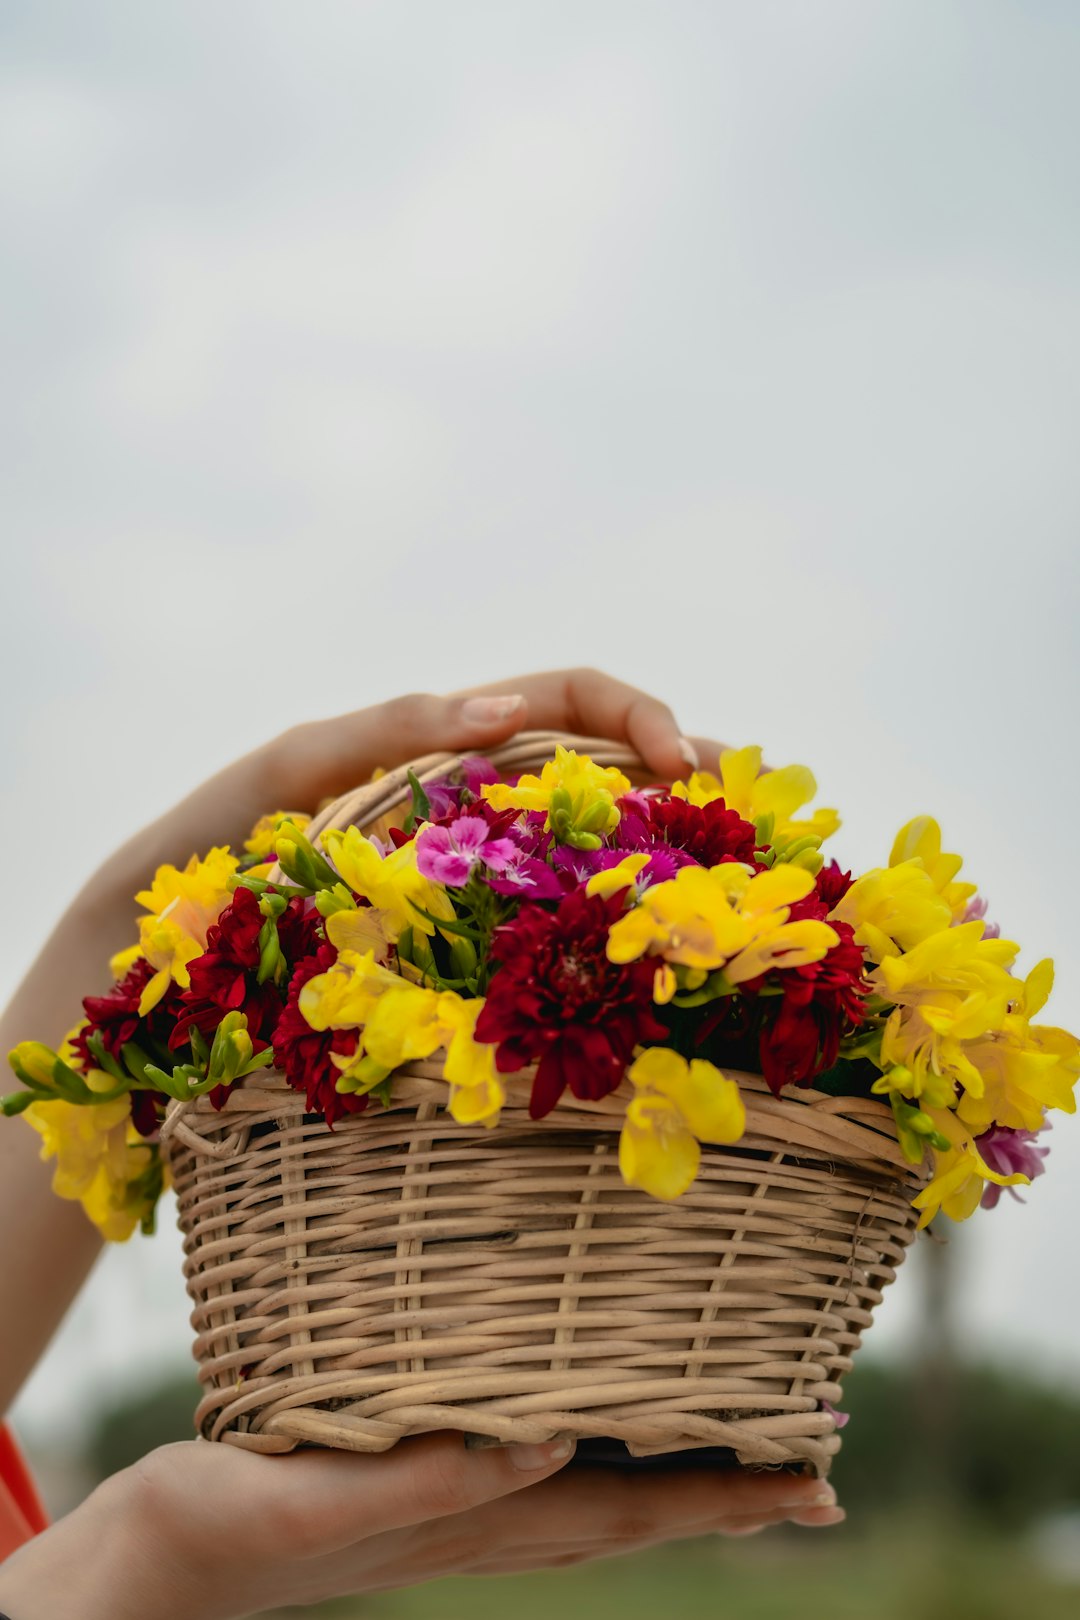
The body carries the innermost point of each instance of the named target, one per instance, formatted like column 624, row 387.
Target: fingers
column 598, row 705
column 516, row 1560
column 610, row 1509
column 315, row 761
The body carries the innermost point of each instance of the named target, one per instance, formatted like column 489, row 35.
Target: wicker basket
column 403, row 1273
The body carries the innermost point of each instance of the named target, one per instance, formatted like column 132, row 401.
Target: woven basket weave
column 403, row 1273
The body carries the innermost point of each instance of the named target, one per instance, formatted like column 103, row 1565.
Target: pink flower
column 976, row 912
column 448, row 854
column 1010, row 1152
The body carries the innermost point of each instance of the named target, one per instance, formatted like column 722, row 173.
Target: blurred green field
column 838, row 1574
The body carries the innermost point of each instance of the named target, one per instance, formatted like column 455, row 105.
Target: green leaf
column 420, row 808
column 446, row 925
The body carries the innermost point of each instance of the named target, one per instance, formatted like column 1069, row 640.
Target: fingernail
column 824, row 1496
column 485, row 711
column 689, row 753
column 819, row 1517
column 530, row 1458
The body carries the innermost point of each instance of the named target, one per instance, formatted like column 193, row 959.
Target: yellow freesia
column 723, row 917
column 615, row 878
column 950, row 990
column 477, row 1093
column 920, row 840
column 754, row 795
column 99, row 1155
column 392, row 883
column 893, row 908
column 345, row 995
column 402, row 1022
column 960, row 1176
column 182, row 906
column 123, row 961
column 261, row 840
column 677, row 1106
column 1025, row 1068
column 572, row 783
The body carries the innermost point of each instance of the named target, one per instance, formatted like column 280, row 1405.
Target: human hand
column 323, row 758
column 215, row 1532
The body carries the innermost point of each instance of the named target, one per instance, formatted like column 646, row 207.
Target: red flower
column 555, row 999
column 115, row 1017
column 832, row 885
column 711, row 833
column 821, row 1001
column 304, row 1053
column 796, row 1035
column 225, row 978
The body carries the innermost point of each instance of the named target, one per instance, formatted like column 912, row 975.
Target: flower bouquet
column 559, row 1103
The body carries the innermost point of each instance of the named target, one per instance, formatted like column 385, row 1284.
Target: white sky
column 365, row 347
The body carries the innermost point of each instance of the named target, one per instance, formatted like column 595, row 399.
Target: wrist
column 104, row 1561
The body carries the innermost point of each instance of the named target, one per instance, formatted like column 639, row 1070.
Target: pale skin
column 207, row 1532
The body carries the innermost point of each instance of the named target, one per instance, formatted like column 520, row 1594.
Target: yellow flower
column 403, row 1022
column 392, row 883
column 182, row 907
column 477, row 1093
column 754, row 796
column 577, row 795
column 263, row 836
column 920, row 840
column 893, row 909
column 99, row 1156
column 345, row 996
column 124, row 961
column 948, row 991
column 723, row 917
column 677, row 1106
column 1025, row 1068
column 614, row 878
column 961, row 1175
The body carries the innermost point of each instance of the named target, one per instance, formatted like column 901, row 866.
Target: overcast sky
column 355, row 348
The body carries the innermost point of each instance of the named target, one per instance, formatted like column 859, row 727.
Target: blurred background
column 358, row 348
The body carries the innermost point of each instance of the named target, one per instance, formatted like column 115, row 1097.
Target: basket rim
column 861, row 1129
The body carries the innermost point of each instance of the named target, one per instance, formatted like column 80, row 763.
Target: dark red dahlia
column 710, row 833
column 557, row 1001
column 225, row 978
column 795, row 1035
column 819, row 1004
column 304, row 1053
column 832, row 885
column 115, row 1017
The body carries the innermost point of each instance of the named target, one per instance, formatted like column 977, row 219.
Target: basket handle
column 528, row 750
column 175, row 1125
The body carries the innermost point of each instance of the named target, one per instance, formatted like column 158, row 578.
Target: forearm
column 100, row 1563
column 42, row 1271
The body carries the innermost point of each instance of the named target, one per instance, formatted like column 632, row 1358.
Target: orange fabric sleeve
column 22, row 1514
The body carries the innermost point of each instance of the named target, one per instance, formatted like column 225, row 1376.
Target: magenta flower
column 527, row 877
column 461, row 786
column 1010, row 1152
column 449, row 854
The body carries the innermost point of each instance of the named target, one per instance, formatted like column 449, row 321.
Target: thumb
column 336, row 1498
